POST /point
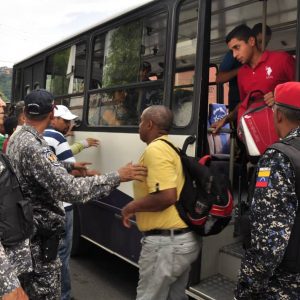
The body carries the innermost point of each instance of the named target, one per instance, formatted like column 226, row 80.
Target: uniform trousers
column 64, row 252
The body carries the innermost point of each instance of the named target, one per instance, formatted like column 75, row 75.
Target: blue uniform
column 272, row 215
column 45, row 181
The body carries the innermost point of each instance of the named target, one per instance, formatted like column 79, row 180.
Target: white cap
column 64, row 113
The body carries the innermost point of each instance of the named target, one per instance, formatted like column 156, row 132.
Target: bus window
column 65, row 70
column 121, row 107
column 185, row 63
column 142, row 59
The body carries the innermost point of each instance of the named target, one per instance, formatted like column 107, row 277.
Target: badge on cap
column 263, row 176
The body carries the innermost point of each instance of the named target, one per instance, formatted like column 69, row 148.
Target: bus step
column 216, row 287
column 235, row 249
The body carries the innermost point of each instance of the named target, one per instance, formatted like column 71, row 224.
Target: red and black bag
column 206, row 202
column 255, row 124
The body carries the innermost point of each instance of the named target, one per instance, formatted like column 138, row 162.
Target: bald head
column 160, row 115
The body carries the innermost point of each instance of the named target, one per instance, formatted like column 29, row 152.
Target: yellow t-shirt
column 164, row 172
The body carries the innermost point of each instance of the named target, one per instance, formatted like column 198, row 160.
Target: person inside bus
column 229, row 67
column 149, row 96
column 168, row 246
column 122, row 111
column 259, row 71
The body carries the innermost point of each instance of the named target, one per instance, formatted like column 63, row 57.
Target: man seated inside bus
column 121, row 111
column 146, row 72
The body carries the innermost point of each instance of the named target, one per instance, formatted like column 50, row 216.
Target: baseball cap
column 64, row 113
column 288, row 95
column 39, row 102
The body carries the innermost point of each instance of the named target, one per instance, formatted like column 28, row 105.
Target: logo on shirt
column 263, row 176
column 269, row 72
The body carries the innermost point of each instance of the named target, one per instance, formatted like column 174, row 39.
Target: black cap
column 39, row 102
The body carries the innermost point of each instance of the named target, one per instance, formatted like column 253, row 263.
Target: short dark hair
column 19, row 108
column 10, row 124
column 257, row 28
column 241, row 32
column 292, row 115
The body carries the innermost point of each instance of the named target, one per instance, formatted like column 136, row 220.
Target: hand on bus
column 16, row 294
column 92, row 142
column 218, row 125
column 269, row 99
column 132, row 172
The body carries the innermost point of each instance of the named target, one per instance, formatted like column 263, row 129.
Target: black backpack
column 16, row 217
column 205, row 203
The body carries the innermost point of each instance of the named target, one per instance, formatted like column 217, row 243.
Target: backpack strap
column 288, row 147
column 171, row 145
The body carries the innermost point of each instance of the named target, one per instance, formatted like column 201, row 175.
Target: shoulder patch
column 51, row 157
column 263, row 176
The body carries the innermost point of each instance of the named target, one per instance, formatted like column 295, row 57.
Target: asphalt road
column 98, row 275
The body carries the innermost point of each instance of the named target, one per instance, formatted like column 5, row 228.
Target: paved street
column 99, row 275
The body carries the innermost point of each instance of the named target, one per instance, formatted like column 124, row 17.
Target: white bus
column 164, row 52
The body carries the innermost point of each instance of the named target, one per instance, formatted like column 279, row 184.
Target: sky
column 28, row 26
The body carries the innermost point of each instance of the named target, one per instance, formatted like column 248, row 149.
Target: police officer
column 14, row 260
column 270, row 268
column 45, row 180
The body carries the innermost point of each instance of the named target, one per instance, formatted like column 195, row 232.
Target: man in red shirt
column 260, row 70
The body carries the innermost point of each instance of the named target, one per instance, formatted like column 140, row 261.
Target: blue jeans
column 64, row 253
column 165, row 263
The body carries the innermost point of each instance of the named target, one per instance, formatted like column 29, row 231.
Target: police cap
column 288, row 95
column 39, row 102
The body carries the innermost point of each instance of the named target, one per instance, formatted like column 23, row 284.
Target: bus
column 164, row 52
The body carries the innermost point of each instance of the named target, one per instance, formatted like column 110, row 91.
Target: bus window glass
column 185, row 63
column 121, row 107
column 74, row 103
column 65, row 70
column 121, row 54
column 130, row 53
column 152, row 48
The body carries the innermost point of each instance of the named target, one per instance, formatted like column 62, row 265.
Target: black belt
column 166, row 232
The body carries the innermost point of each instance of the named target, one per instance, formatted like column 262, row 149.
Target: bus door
column 221, row 254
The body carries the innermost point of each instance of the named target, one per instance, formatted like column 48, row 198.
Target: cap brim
column 69, row 116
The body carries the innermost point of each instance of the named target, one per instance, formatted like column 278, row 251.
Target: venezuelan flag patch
column 263, row 176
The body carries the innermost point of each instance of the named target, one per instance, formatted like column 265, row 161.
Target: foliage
column 122, row 60
column 5, row 85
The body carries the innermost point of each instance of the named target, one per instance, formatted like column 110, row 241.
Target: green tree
column 5, row 86
column 123, row 58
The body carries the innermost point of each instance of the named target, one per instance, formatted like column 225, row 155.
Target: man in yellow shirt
column 168, row 246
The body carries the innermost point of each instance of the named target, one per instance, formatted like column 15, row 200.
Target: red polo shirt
column 272, row 69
